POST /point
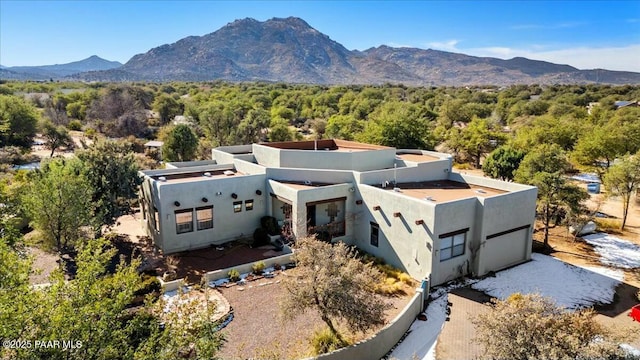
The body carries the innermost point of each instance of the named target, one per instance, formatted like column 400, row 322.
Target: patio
column 194, row 264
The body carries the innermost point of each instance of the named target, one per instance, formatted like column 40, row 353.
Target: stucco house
column 406, row 206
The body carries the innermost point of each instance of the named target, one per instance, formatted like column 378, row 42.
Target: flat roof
column 417, row 157
column 195, row 176
column 325, row 145
column 445, row 190
column 302, row 185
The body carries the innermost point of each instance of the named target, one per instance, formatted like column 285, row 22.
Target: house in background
column 406, row 206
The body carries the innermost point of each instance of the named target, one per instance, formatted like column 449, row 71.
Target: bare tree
column 533, row 327
column 330, row 279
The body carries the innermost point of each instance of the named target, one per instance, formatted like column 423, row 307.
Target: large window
column 184, row 221
column 204, row 217
column 452, row 244
column 237, row 206
column 375, row 232
column 248, row 205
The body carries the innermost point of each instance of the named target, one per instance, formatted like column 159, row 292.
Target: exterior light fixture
column 376, row 208
column 234, row 195
column 397, row 214
column 204, row 199
column 258, row 192
column 176, row 203
column 419, row 222
column 219, row 193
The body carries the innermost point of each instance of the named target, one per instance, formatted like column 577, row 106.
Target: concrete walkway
column 456, row 339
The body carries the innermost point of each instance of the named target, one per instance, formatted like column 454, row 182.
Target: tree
column 94, row 310
column 180, row 144
column 251, row 128
column 112, row 173
column 479, row 138
column 502, row 163
column 344, row 127
column 623, row 179
column 55, row 136
column 598, row 148
column 545, row 167
column 167, row 108
column 400, row 125
column 18, row 121
column 529, row 326
column 330, row 279
column 57, row 200
column 279, row 130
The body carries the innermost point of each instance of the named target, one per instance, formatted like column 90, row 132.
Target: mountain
column 289, row 50
column 58, row 71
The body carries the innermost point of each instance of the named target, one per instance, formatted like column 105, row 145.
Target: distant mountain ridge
column 45, row 72
column 290, row 50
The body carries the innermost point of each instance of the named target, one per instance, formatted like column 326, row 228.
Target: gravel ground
column 258, row 332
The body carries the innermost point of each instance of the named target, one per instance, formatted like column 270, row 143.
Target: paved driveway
column 456, row 339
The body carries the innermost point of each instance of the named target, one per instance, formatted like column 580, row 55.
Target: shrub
column 258, row 267
column 260, row 237
column 150, row 285
column 75, row 125
column 234, row 275
column 324, row 341
column 608, row 225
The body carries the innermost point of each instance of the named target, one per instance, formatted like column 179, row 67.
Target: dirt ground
column 258, row 331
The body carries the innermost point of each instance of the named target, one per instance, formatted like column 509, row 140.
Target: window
column 204, row 217
column 184, row 221
column 375, row 232
column 452, row 245
column 156, row 220
column 248, row 205
column 237, row 206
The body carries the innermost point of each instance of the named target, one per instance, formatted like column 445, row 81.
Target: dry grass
column 258, row 331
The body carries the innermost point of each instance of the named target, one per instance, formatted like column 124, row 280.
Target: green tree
column 524, row 327
column 478, row 138
column 502, row 163
column 167, row 108
column 57, row 200
column 344, row 127
column 279, row 130
column 623, row 179
column 545, row 167
column 180, row 144
column 18, row 121
column 598, row 147
column 398, row 124
column 112, row 173
column 55, row 136
column 330, row 279
column 250, row 129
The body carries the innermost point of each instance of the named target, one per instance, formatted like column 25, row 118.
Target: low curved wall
column 246, row 268
column 379, row 344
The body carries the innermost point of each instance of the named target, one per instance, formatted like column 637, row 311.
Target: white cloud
column 449, row 45
column 622, row 58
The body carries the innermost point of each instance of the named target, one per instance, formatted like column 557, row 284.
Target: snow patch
column 423, row 336
column 615, row 251
column 569, row 286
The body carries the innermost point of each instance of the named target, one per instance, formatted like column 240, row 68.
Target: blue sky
column 584, row 34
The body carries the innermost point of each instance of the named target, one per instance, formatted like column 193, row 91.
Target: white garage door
column 506, row 248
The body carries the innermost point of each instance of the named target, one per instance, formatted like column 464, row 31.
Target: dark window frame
column 374, row 240
column 204, row 224
column 184, row 227
column 453, row 250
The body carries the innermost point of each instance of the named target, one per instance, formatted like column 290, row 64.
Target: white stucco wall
column 228, row 225
column 402, row 243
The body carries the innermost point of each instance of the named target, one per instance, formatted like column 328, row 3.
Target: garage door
column 506, row 248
